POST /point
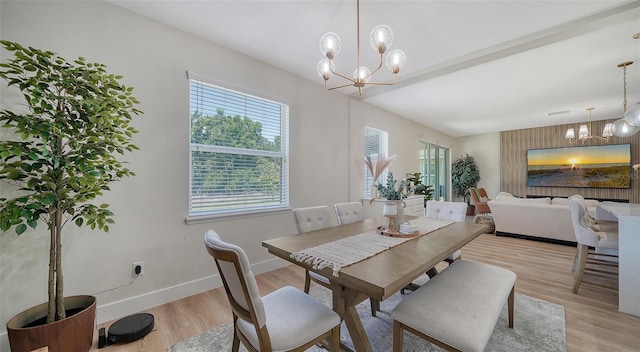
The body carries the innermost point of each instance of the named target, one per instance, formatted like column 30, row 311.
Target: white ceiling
column 473, row 67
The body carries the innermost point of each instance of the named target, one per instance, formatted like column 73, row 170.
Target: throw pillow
column 484, row 199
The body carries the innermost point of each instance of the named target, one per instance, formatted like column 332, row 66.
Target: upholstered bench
column 458, row 308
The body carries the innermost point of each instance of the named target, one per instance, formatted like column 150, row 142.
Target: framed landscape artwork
column 600, row 166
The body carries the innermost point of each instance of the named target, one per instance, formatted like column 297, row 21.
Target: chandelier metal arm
column 384, row 83
column 338, row 87
column 343, row 76
column 352, row 80
column 584, row 140
column 352, row 83
column 377, row 68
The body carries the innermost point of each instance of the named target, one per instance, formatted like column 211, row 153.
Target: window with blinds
column 375, row 145
column 239, row 152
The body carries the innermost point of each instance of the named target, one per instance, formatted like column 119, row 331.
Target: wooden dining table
column 381, row 275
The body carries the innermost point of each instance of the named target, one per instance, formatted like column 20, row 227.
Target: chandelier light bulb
column 632, row 115
column 325, row 69
column 622, row 129
column 381, row 38
column 330, row 45
column 607, row 131
column 395, row 61
column 362, row 74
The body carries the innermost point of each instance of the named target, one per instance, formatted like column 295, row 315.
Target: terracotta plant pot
column 72, row 334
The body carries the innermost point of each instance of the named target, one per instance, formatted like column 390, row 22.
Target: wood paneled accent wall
column 513, row 161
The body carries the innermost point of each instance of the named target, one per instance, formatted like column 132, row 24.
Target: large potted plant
column 59, row 158
column 465, row 174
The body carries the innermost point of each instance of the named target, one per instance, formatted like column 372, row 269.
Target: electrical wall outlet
column 137, row 269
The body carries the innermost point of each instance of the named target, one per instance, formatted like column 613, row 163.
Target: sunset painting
column 602, row 166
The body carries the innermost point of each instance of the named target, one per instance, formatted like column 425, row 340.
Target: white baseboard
column 119, row 309
column 128, row 306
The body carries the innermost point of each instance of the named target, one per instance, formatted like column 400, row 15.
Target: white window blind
column 238, row 152
column 375, row 145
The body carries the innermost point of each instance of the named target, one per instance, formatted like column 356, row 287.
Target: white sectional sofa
column 538, row 218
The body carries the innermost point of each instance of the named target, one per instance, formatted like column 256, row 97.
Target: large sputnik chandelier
column 381, row 39
column 629, row 124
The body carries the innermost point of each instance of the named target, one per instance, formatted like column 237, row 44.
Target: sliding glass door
column 434, row 165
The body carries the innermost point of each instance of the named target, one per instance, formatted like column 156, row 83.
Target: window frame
column 382, row 150
column 283, row 155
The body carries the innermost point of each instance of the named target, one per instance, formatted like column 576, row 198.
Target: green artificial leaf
column 20, row 229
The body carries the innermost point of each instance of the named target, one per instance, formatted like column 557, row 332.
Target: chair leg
column 510, row 303
column 236, row 341
column 375, row 306
column 432, row 272
column 581, row 263
column 307, row 281
column 450, row 261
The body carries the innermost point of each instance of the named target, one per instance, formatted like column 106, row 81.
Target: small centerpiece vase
column 394, row 210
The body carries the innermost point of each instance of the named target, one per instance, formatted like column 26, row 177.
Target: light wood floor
column 593, row 322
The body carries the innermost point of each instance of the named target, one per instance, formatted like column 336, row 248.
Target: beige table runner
column 350, row 250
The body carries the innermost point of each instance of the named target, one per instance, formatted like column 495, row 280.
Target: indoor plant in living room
column 420, row 188
column 59, row 156
column 465, row 174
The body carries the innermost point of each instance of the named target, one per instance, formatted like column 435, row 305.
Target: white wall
column 404, row 141
column 485, row 148
column 326, row 160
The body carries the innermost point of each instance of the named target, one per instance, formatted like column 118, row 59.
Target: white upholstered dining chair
column 452, row 211
column 350, row 212
column 311, row 219
column 284, row 320
column 316, row 218
column 441, row 210
column 590, row 239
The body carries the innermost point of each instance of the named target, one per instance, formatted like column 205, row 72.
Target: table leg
column 344, row 303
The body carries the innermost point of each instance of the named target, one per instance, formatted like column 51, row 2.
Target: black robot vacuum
column 127, row 329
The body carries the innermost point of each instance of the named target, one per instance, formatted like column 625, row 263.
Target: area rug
column 539, row 326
